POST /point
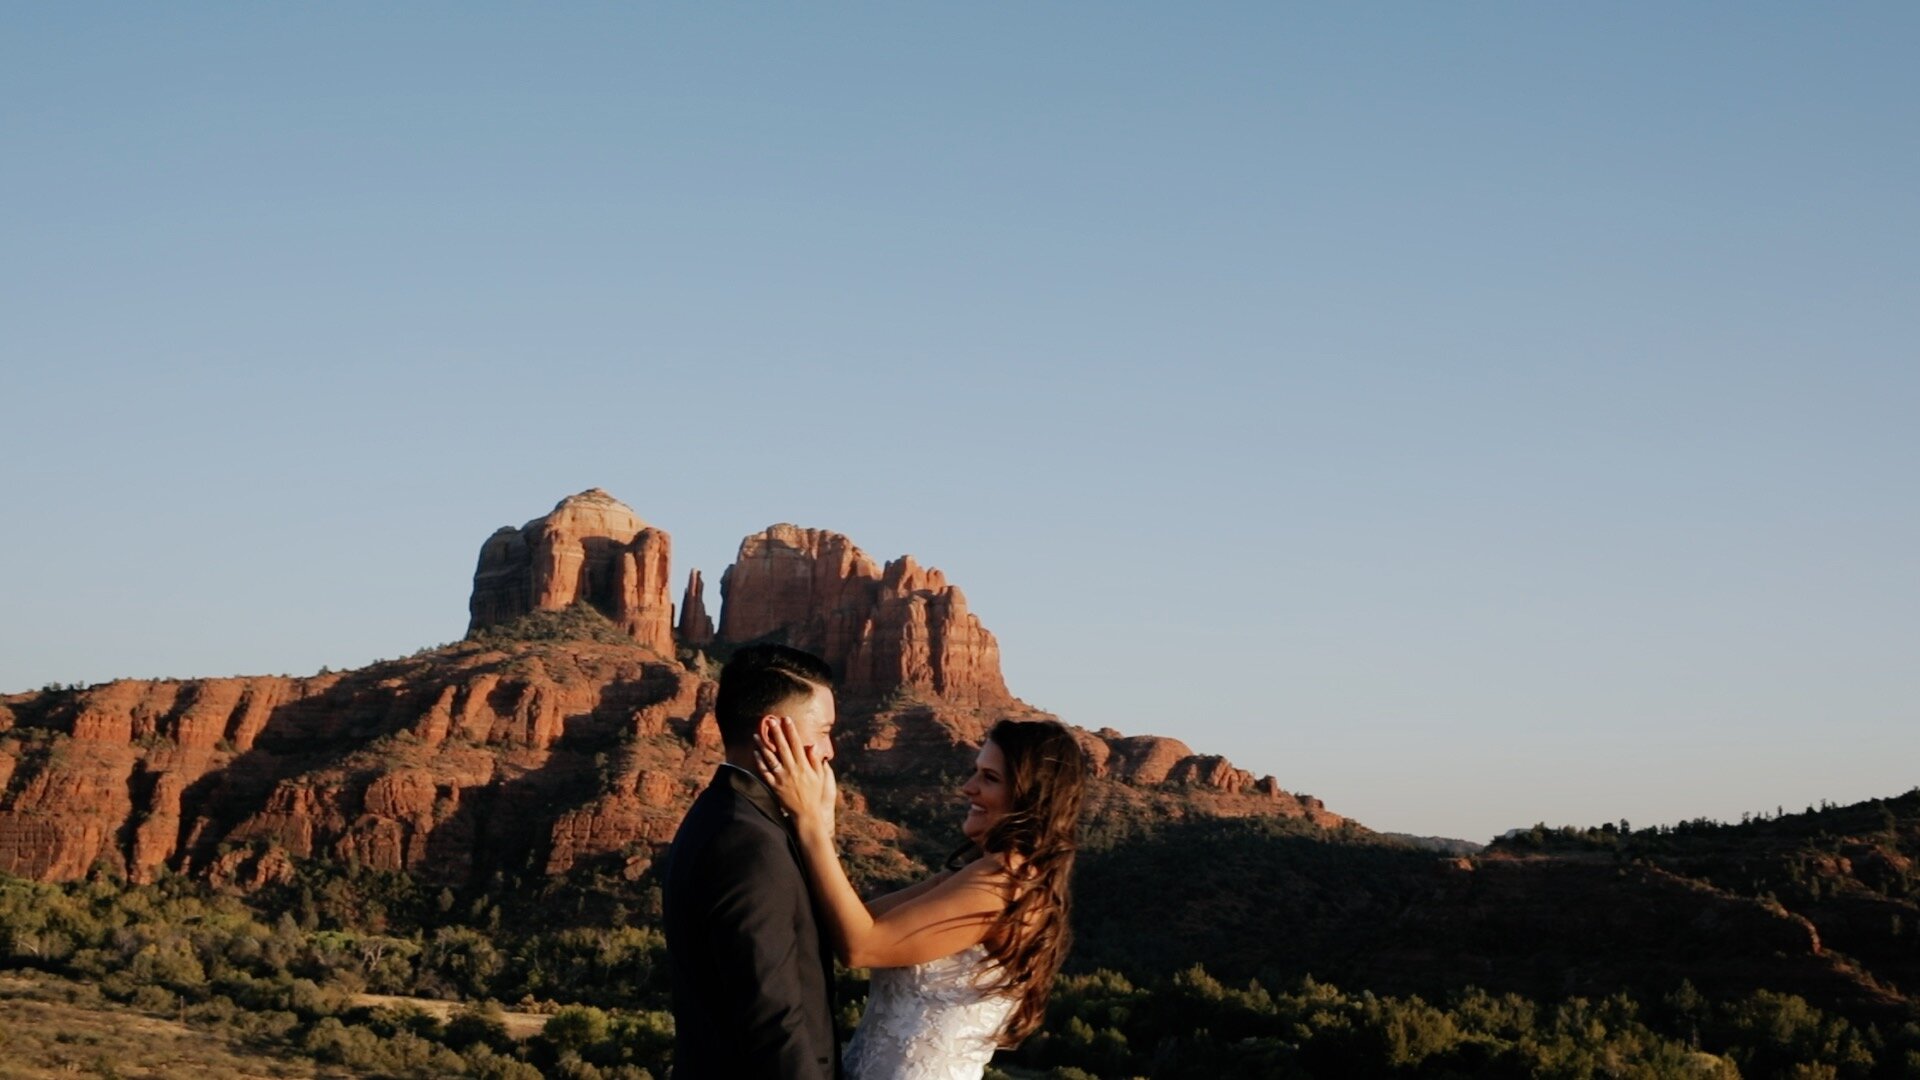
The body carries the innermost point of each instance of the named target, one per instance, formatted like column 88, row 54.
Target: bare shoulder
column 986, row 874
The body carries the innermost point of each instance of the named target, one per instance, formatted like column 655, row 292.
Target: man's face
column 813, row 719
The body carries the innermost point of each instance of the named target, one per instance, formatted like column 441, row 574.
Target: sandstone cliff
column 882, row 629
column 509, row 753
column 485, row 756
column 591, row 549
column 441, row 764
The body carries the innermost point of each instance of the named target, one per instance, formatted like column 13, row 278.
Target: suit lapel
column 749, row 787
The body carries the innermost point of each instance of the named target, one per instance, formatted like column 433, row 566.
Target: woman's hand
column 802, row 781
column 934, row 919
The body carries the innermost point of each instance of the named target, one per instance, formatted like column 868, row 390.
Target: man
column 751, row 972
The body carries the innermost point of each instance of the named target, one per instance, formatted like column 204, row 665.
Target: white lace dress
column 932, row 1021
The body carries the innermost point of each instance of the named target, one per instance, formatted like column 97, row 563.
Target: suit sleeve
column 758, row 894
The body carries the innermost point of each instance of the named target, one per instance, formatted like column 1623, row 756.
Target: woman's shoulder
column 989, row 872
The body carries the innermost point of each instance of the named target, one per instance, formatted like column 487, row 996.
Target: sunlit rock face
column 444, row 764
column 591, row 549
column 883, row 629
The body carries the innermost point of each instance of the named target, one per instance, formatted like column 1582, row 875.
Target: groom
column 751, row 972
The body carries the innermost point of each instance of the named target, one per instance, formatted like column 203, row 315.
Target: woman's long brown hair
column 1046, row 779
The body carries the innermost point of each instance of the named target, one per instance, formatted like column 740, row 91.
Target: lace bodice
column 932, row 1021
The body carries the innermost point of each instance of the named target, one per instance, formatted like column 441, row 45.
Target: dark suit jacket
column 751, row 972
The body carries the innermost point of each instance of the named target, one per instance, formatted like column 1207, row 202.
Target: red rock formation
column 456, row 762
column 903, row 627
column 696, row 626
column 439, row 764
column 488, row 753
column 1142, row 759
column 591, row 549
column 1154, row 762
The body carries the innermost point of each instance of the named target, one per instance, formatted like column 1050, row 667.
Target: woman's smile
column 986, row 792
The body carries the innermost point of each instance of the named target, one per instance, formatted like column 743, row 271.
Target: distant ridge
column 1444, row 844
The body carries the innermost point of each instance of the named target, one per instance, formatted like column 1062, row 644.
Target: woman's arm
column 951, row 913
column 880, row 905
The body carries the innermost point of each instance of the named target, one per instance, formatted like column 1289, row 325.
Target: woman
column 963, row 960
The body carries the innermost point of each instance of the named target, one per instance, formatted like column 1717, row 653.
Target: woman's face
column 986, row 790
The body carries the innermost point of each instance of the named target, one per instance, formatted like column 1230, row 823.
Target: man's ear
column 768, row 725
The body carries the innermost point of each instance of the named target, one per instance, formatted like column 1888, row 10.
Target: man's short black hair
column 760, row 680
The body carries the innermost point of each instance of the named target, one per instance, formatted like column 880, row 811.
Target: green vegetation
column 57, row 1027
column 290, row 983
column 180, row 951
column 1193, row 1025
column 581, row 622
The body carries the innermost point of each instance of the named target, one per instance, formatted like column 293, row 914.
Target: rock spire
column 696, row 626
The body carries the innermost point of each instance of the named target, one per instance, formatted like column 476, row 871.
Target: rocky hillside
column 1823, row 905
column 572, row 726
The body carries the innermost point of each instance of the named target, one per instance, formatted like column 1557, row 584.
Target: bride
column 963, row 961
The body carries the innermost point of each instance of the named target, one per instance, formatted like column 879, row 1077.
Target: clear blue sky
column 1471, row 415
